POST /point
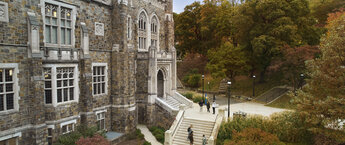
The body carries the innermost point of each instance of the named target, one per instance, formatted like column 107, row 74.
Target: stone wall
column 126, row 102
column 163, row 118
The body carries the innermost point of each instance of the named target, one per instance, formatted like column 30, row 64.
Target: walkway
column 252, row 108
column 148, row 135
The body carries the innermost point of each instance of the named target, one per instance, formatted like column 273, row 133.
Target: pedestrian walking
column 214, row 105
column 201, row 103
column 208, row 106
column 189, row 130
column 203, row 139
column 191, row 139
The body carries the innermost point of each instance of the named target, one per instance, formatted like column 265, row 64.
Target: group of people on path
column 214, row 105
column 191, row 138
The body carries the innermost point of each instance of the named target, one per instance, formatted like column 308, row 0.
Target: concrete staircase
column 172, row 102
column 199, row 128
column 272, row 94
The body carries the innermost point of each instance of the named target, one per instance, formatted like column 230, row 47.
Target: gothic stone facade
column 100, row 63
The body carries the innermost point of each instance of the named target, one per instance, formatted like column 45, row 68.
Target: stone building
column 104, row 63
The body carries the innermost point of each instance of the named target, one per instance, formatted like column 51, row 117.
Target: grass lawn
column 283, row 102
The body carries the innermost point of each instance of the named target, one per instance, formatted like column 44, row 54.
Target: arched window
column 154, row 25
column 142, row 31
column 154, row 32
column 142, row 21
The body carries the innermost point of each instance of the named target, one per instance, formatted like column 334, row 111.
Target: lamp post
column 203, row 87
column 253, row 86
column 208, row 86
column 229, row 93
column 301, row 82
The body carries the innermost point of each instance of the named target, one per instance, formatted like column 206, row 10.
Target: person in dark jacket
column 189, row 130
column 191, row 139
column 208, row 106
column 201, row 103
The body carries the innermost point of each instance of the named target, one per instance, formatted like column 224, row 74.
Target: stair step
column 199, row 125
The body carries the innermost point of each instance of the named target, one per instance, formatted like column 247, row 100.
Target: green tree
column 322, row 100
column 321, row 8
column 188, row 29
column 226, row 61
column 264, row 26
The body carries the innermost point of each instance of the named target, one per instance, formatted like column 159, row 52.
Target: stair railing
column 169, row 134
column 183, row 100
column 218, row 122
column 166, row 106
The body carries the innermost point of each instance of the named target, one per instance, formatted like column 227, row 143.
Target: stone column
column 173, row 70
column 152, row 78
column 124, row 109
column 36, row 96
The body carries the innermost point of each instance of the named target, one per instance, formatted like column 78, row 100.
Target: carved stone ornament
column 3, row 12
column 99, row 29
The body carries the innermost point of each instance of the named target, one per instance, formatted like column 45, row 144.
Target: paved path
column 251, row 108
column 148, row 135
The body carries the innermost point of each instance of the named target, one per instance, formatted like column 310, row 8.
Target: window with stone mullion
column 48, row 95
column 6, row 89
column 99, row 80
column 67, row 128
column 58, row 22
column 65, row 84
column 101, row 121
column 66, row 29
column 51, row 23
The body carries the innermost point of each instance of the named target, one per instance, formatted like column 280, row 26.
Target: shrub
column 139, row 134
column 136, row 135
column 158, row 132
column 252, row 136
column 287, row 126
column 160, row 138
column 81, row 131
column 95, row 140
column 197, row 99
column 188, row 95
column 147, row 143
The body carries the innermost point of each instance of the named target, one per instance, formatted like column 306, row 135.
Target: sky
column 180, row 4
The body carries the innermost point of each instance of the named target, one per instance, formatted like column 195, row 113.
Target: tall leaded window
column 65, row 84
column 154, row 30
column 99, row 79
column 58, row 23
column 154, row 25
column 142, row 21
column 142, row 31
column 7, row 89
column 60, row 84
column 48, row 86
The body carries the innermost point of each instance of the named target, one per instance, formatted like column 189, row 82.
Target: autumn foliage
column 95, row 140
column 293, row 62
column 253, row 136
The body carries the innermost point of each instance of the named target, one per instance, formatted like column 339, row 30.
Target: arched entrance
column 160, row 84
